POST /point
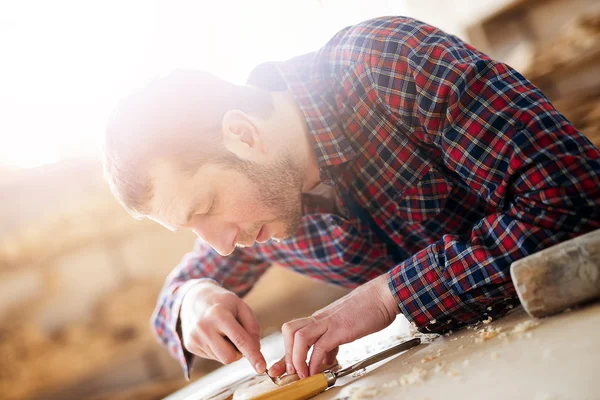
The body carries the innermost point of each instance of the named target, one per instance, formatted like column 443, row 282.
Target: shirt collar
column 317, row 102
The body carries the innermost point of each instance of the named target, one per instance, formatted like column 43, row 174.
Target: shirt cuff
column 419, row 286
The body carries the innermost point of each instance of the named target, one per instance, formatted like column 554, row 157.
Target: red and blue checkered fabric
column 449, row 166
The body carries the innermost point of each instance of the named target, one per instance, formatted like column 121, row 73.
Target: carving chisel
column 313, row 385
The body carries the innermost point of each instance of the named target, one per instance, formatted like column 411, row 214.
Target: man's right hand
column 217, row 324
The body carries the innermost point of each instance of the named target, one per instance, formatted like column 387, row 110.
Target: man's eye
column 212, row 207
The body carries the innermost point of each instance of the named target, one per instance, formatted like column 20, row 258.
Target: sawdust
column 359, row 393
column 520, row 330
column 524, row 327
column 359, row 373
column 439, row 367
column 432, row 356
column 417, row 375
column 488, row 333
column 255, row 387
column 425, row 337
column 390, row 384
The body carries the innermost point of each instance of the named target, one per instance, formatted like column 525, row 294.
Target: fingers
column 195, row 346
column 278, row 368
column 303, row 340
column 246, row 343
column 288, row 330
column 324, row 353
column 224, row 350
column 247, row 319
column 330, row 357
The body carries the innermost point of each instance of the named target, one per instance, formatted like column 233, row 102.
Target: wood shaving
column 488, row 320
column 427, row 359
column 359, row 393
column 494, row 355
column 439, row 367
column 451, row 373
column 461, row 347
column 488, row 333
column 390, row 384
column 431, row 356
column 286, row 379
column 359, row 373
column 466, row 362
column 255, row 387
column 525, row 326
column 417, row 375
column 427, row 337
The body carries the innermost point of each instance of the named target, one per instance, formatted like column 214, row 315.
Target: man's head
column 193, row 151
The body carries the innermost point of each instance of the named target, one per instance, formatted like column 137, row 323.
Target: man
column 396, row 160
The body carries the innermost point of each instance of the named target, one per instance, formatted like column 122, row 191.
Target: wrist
column 195, row 291
column 386, row 296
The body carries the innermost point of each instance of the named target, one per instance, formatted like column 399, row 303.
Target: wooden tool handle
column 299, row 390
column 560, row 276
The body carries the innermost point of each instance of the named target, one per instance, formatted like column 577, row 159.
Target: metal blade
column 379, row 357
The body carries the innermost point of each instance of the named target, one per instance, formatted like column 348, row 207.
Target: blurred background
column 78, row 277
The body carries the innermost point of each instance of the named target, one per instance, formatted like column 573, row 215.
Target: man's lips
column 263, row 234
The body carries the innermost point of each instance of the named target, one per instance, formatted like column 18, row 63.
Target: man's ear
column 241, row 135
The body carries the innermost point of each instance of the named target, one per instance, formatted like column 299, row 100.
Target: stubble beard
column 280, row 189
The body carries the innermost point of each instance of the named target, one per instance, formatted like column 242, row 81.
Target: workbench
column 516, row 357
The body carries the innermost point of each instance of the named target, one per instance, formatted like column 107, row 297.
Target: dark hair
column 176, row 118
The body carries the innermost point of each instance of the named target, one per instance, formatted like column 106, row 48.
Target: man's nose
column 220, row 237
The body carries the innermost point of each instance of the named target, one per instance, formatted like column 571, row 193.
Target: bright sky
column 65, row 63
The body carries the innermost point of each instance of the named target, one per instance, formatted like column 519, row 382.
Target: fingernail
column 260, row 367
column 290, row 368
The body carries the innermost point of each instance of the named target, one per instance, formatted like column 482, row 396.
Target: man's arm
column 237, row 273
column 501, row 136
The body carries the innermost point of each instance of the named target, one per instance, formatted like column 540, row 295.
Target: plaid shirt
column 448, row 166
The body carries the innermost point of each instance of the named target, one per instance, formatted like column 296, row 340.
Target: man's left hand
column 367, row 309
